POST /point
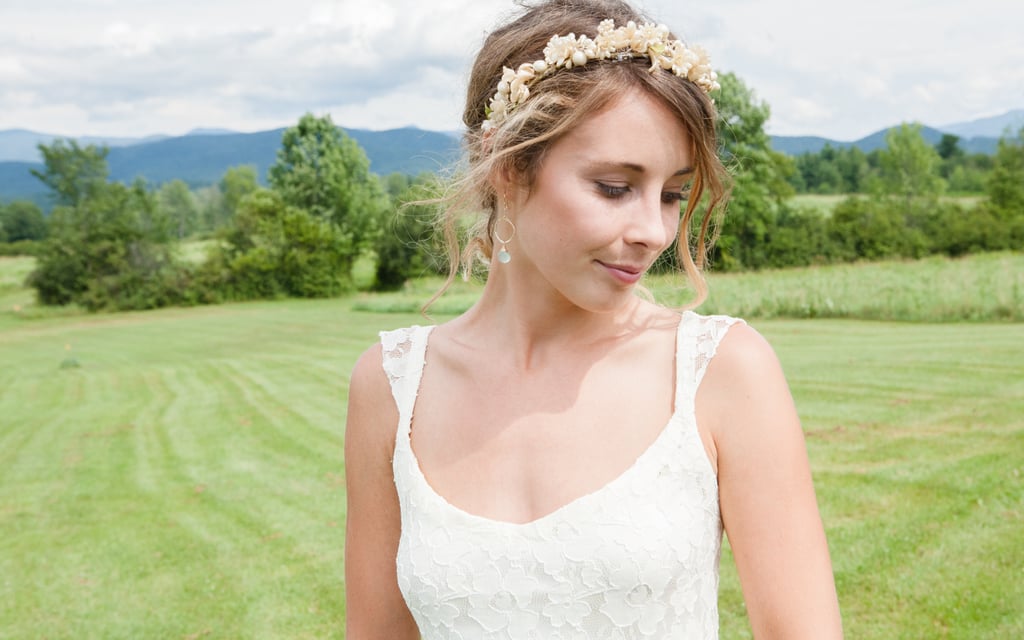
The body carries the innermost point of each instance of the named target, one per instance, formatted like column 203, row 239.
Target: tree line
column 108, row 245
column 844, row 170
column 897, row 209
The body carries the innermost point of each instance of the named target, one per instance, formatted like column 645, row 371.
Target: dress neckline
column 553, row 515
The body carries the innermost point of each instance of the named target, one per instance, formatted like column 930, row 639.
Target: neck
column 535, row 324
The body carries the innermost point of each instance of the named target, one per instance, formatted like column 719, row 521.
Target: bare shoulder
column 743, row 354
column 745, row 368
column 368, row 373
column 744, row 398
column 374, row 605
column 371, row 409
column 766, row 493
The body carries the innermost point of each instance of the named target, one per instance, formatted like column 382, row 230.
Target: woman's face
column 604, row 205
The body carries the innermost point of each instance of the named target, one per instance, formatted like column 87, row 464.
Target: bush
column 406, row 247
column 958, row 231
column 272, row 250
column 20, row 248
column 874, row 228
column 21, row 220
column 100, row 254
column 799, row 238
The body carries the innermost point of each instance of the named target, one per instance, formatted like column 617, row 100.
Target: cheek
column 568, row 222
column 671, row 228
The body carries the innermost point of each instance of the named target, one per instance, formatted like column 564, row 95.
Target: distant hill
column 796, row 145
column 203, row 155
column 16, row 183
column 201, row 158
column 993, row 127
column 19, row 145
column 976, row 136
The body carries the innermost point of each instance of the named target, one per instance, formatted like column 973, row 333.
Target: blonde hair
column 558, row 104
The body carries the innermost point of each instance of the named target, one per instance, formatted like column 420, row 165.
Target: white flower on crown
column 628, row 41
column 610, row 39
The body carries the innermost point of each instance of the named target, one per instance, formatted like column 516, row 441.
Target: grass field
column 826, row 202
column 179, row 473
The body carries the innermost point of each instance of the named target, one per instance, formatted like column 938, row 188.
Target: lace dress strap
column 696, row 344
column 404, row 352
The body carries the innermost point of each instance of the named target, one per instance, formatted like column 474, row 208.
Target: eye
column 670, row 197
column 612, row 191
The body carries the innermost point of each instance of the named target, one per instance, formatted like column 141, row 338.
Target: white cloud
column 433, row 101
column 11, row 69
column 130, row 41
column 132, row 67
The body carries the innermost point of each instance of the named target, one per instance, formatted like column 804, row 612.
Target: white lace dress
column 638, row 558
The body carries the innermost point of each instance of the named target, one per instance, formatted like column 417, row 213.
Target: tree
column 100, row 254
column 179, row 207
column 872, row 228
column 909, row 165
column 852, row 164
column 72, row 171
column 321, row 170
column 1005, row 188
column 107, row 246
column 407, row 247
column 21, row 220
column 237, row 183
column 761, row 176
column 272, row 249
column 818, row 173
column 948, row 147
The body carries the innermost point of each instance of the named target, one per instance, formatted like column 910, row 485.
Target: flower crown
column 621, row 43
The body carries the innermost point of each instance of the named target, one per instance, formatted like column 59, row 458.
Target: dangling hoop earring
column 504, row 257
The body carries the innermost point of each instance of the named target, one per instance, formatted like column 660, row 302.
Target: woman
column 559, row 461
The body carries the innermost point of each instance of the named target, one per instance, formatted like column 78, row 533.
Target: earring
column 504, row 257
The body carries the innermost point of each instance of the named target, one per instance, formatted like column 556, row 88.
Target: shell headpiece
column 611, row 43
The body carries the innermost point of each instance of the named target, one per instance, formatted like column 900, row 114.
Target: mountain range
column 201, row 156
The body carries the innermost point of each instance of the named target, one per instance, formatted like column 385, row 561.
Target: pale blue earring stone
column 504, row 257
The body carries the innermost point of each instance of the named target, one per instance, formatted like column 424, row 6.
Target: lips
column 624, row 273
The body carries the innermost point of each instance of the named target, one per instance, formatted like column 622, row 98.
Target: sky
column 130, row 68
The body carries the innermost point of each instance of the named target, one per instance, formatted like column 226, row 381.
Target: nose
column 651, row 224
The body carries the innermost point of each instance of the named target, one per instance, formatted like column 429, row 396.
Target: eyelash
column 667, row 197
column 612, row 191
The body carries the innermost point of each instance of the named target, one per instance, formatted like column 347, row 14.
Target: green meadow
column 826, row 202
column 179, row 473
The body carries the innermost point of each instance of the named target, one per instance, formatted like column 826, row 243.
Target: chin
column 613, row 303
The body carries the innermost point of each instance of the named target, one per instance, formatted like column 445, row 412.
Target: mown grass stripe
column 220, row 509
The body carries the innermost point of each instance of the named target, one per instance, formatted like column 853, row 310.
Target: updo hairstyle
column 559, row 103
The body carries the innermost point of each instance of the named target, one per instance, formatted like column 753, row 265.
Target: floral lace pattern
column 638, row 558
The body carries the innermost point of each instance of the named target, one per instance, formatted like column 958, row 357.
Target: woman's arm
column 767, row 499
column 374, row 605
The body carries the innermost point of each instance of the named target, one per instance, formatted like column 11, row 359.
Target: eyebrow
column 636, row 168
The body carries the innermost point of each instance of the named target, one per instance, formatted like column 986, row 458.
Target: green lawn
column 185, row 479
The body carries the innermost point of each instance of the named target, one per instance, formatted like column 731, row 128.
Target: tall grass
column 977, row 288
column 13, row 271
column 980, row 288
column 985, row 287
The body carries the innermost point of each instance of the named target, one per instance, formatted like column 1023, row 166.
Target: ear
column 504, row 185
